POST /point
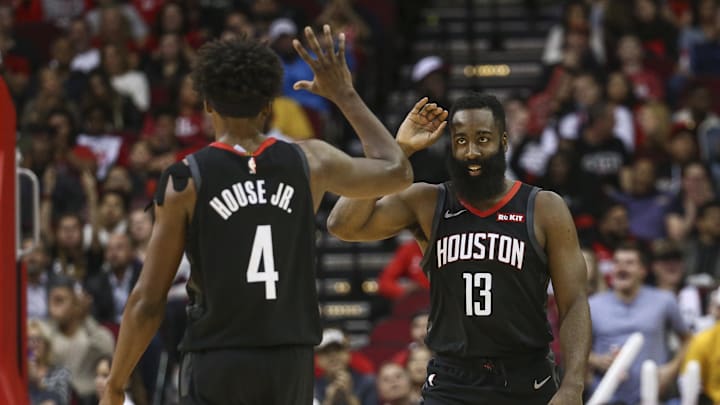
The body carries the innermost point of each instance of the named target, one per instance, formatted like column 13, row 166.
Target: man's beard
column 490, row 183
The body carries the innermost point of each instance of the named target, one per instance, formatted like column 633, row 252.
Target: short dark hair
column 124, row 198
column 237, row 77
column 641, row 250
column 481, row 101
column 62, row 281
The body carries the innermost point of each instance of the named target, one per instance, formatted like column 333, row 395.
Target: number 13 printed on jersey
column 478, row 284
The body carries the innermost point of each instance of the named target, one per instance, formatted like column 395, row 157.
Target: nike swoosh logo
column 537, row 385
column 449, row 215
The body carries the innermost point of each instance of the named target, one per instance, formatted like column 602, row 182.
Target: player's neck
column 247, row 136
column 487, row 203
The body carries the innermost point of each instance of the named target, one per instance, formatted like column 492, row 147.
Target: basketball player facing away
column 491, row 245
column 243, row 210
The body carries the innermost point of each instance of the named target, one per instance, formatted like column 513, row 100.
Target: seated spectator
column 117, row 22
column 403, row 273
column 37, row 265
column 111, row 287
column 418, row 331
column 166, row 70
column 561, row 176
column 631, row 307
column 189, row 122
column 135, row 393
column 681, row 149
column 139, row 229
column 611, row 231
column 657, row 35
column 698, row 112
column 696, row 190
column 576, row 18
column 125, row 80
column 49, row 383
column 172, row 18
column 652, row 120
column 339, row 384
column 702, row 250
column 704, row 349
column 77, row 340
column 69, row 258
column 107, row 218
column 393, row 386
column 86, row 58
column 669, row 273
column 50, row 96
column 646, row 205
column 700, row 31
column 123, row 115
column 647, row 85
column 416, row 367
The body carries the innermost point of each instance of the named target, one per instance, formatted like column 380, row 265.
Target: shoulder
column 657, row 295
column 551, row 208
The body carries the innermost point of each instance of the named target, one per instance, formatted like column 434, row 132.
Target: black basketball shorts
column 257, row 376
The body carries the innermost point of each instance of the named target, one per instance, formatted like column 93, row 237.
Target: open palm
column 423, row 126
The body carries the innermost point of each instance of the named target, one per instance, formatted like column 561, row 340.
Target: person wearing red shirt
column 405, row 264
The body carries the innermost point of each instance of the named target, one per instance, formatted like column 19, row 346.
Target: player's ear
column 505, row 141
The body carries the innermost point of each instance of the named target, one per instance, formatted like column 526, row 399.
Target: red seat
column 380, row 353
column 391, row 331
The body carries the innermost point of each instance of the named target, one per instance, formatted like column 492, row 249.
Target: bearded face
column 477, row 162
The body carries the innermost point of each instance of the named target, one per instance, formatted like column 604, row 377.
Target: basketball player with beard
column 491, row 246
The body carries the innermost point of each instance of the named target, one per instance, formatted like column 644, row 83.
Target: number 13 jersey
column 251, row 246
column 488, row 278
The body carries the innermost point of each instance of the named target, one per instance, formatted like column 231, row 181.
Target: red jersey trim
column 263, row 146
column 486, row 213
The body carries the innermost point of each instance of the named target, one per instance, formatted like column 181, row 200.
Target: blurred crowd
column 624, row 126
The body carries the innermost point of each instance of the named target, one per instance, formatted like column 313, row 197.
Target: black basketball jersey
column 251, row 247
column 488, row 278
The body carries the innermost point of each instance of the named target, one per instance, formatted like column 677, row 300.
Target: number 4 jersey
column 251, row 246
column 488, row 278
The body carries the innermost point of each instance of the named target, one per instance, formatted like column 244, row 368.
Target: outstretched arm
column 146, row 305
column 569, row 275
column 385, row 169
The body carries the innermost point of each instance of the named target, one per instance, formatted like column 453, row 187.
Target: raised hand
column 423, row 126
column 332, row 77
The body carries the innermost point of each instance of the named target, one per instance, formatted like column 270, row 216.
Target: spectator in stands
column 702, row 250
column 106, row 218
column 702, row 30
column 49, row 383
column 429, row 78
column 125, row 80
column 698, row 113
column 393, row 386
column 632, row 307
column 653, row 129
column 50, row 96
column 418, row 331
column 118, row 23
column 403, row 273
column 107, row 147
column 77, row 340
column 123, row 113
column 561, row 176
column 657, row 35
column 189, row 122
column 646, row 205
column 135, row 393
column 69, row 258
column 110, row 287
column 85, row 57
column 166, row 70
column 587, row 92
column 696, row 190
column 289, row 121
column 601, row 155
column 647, row 85
column 681, row 149
column 240, row 23
column 704, row 349
column 575, row 19
column 669, row 273
column 38, row 155
column 339, row 384
column 159, row 133
column 416, row 367
column 139, row 231
column 611, row 231
column 37, row 265
column 173, row 18
column 596, row 282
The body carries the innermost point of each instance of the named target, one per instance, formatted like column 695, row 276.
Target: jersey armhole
column 303, row 159
column 439, row 205
column 194, row 171
column 531, row 225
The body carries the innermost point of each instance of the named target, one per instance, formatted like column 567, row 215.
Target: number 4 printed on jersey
column 262, row 247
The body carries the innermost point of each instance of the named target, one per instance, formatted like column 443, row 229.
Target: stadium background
column 104, row 104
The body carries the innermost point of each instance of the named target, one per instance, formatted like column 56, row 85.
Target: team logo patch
column 510, row 217
column 252, row 166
